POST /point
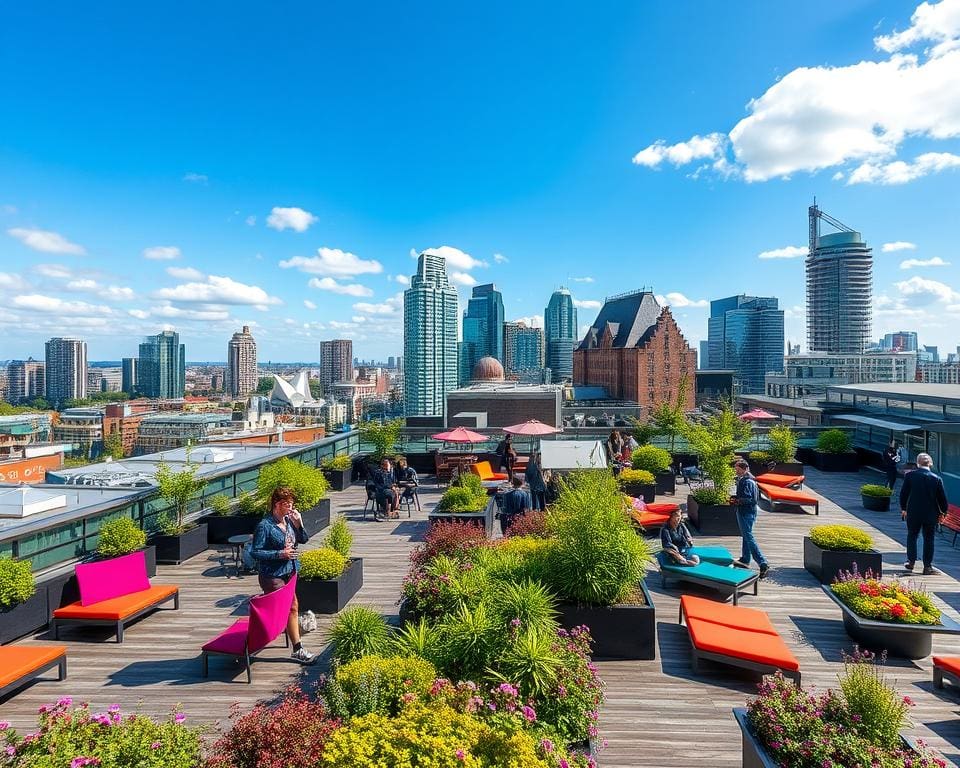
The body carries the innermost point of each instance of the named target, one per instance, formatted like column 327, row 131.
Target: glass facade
column 560, row 331
column 161, row 367
column 482, row 329
column 745, row 334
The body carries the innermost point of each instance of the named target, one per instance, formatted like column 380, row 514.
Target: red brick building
column 635, row 350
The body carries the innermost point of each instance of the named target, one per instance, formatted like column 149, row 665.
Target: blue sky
column 201, row 166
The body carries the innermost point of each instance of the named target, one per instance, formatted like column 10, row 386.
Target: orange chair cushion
column 785, row 494
column 484, row 471
column 758, row 647
column 117, row 608
column 662, row 507
column 781, row 481
column 19, row 661
column 732, row 616
column 949, row 663
column 648, row 519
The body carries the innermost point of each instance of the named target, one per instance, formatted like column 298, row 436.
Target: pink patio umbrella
column 460, row 435
column 531, row 428
column 757, row 414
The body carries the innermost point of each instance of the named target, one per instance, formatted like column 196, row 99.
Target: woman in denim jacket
column 275, row 550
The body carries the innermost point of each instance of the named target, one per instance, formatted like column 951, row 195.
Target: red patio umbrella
column 756, row 414
column 531, row 428
column 460, row 435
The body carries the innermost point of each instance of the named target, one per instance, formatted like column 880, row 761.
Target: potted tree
column 832, row 549
column 638, row 483
column 656, row 461
column 23, row 608
column 227, row 519
column 121, row 537
column 782, row 447
column 835, row 452
column 328, row 577
column 177, row 539
column 309, row 488
column 669, row 421
column 876, row 498
column 337, row 470
column 382, row 436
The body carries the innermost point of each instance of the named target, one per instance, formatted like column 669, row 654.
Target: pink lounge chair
column 267, row 621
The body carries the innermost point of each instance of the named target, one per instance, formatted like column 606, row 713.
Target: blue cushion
column 718, row 555
column 710, row 571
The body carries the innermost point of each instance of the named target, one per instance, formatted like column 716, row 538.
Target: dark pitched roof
column 630, row 319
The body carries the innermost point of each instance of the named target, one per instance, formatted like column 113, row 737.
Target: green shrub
column 358, row 631
column 834, row 441
column 761, row 457
column 635, row 477
column 530, row 662
column 783, row 444
column 320, row 564
column 418, row 638
column 458, row 500
column 650, row 458
column 120, row 537
column 308, row 484
column 248, row 504
column 526, row 601
column 220, row 505
column 377, row 684
column 178, row 489
column 337, row 464
column 841, row 537
column 879, row 491
column 470, row 637
column 383, row 437
column 471, row 481
column 711, row 496
column 880, row 713
column 339, row 537
column 714, row 441
column 17, row 584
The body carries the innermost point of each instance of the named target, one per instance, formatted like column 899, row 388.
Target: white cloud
column 333, row 262
column 936, row 261
column 500, row 258
column 329, row 284
column 162, row 252
column 375, row 309
column 707, row 147
column 454, row 257
column 296, row 219
column 185, row 273
column 919, row 291
column 208, row 314
column 582, row 279
column 532, row 321
column 462, row 278
column 931, row 22
column 46, row 241
column 110, row 292
column 309, row 304
column 402, row 279
column 82, row 285
column 195, row 178
column 116, row 293
column 679, row 300
column 140, row 314
column 11, row 281
column 219, row 290
column 56, row 271
column 787, row 252
column 900, row 172
column 587, row 304
column 250, row 221
column 40, row 303
column 899, row 245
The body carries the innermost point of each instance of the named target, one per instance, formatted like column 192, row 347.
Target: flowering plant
column 875, row 599
column 454, row 538
column 75, row 737
column 442, row 586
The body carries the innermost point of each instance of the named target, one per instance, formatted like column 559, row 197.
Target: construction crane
column 815, row 217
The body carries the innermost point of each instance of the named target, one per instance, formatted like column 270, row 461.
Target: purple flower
column 4, row 725
column 528, row 713
column 66, row 701
column 546, row 745
column 179, row 718
column 155, row 745
column 460, row 755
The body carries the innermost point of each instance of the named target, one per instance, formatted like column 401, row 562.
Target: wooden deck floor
column 657, row 712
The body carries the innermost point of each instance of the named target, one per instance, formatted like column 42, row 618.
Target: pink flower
column 528, row 713
column 546, row 745
column 179, row 718
column 460, row 755
column 66, row 701
column 155, row 745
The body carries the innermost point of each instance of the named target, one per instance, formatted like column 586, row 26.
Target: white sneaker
column 303, row 656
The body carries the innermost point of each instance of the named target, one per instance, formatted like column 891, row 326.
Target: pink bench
column 114, row 592
column 245, row 637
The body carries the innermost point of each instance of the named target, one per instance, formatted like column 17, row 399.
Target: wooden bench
column 776, row 495
column 951, row 522
column 740, row 637
column 19, row 664
column 113, row 593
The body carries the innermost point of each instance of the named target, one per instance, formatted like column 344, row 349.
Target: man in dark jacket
column 891, row 458
column 923, row 502
column 746, row 499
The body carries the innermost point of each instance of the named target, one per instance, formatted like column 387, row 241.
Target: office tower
column 560, row 332
column 839, row 288
column 636, row 352
column 336, row 362
column 482, row 328
column 523, row 348
column 430, row 315
column 703, row 358
column 161, row 367
column 745, row 334
column 129, row 379
column 66, row 370
column 240, row 376
column 901, row 341
column 391, row 362
column 25, row 380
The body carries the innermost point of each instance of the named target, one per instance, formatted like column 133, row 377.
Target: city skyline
column 213, row 205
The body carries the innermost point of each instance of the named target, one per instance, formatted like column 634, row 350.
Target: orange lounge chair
column 782, row 481
column 484, row 471
column 654, row 515
column 946, row 668
column 19, row 664
column 776, row 495
column 740, row 637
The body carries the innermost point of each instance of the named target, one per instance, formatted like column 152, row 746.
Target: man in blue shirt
column 515, row 502
column 923, row 502
column 746, row 499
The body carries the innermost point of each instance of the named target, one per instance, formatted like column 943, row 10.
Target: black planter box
column 666, row 482
column 222, row 527
column 875, row 503
column 479, row 519
column 825, row 564
column 26, row 618
column 645, row 491
column 178, row 549
column 836, row 462
column 713, row 519
column 793, row 468
column 618, row 631
column 330, row 595
column 339, row 479
column 316, row 518
column 908, row 641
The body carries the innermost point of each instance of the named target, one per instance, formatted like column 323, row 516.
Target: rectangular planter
column 825, row 564
column 222, row 527
column 339, row 479
column 666, row 482
column 618, row 631
column 316, row 518
column 640, row 491
column 178, row 549
column 331, row 595
column 713, row 519
column 479, row 519
column 836, row 462
column 26, row 618
column 793, row 468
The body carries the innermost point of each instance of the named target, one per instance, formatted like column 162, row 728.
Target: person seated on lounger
column 677, row 541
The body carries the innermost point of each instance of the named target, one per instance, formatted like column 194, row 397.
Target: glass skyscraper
column 66, row 370
column 482, row 329
column 430, row 315
column 522, row 348
column 745, row 334
column 560, row 330
column 161, row 367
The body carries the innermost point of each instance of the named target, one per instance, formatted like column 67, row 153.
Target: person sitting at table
column 385, row 489
column 515, row 502
column 406, row 478
column 536, row 482
column 676, row 540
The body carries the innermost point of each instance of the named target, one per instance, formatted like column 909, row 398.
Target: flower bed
column 874, row 599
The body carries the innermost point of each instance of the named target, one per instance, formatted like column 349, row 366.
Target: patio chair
column 443, row 469
column 408, row 498
column 372, row 504
column 692, row 475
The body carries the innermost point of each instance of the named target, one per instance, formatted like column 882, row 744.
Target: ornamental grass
column 873, row 598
